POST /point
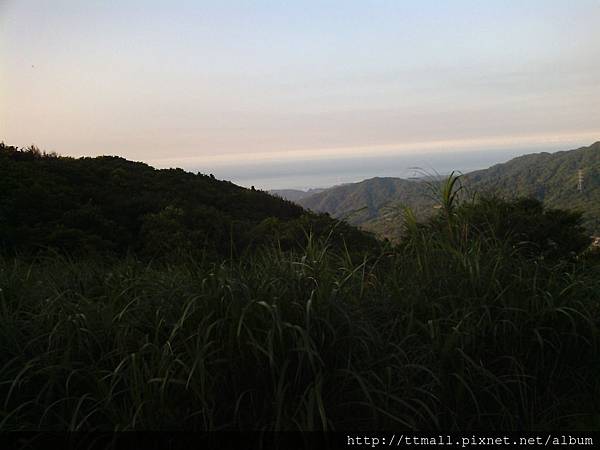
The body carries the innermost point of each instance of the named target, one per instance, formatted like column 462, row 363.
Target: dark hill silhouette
column 110, row 204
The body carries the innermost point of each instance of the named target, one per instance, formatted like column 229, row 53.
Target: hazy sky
column 213, row 83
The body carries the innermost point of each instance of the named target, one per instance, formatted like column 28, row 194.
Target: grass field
column 435, row 334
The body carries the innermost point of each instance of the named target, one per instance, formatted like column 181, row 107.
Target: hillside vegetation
column 376, row 204
column 485, row 317
column 549, row 177
column 109, row 205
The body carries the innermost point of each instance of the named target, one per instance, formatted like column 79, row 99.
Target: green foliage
column 376, row 204
column 448, row 331
column 524, row 225
column 484, row 317
column 528, row 226
column 450, row 191
column 108, row 205
column 550, row 178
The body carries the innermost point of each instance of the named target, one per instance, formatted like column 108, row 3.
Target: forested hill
column 372, row 203
column 376, row 204
column 550, row 177
column 109, row 204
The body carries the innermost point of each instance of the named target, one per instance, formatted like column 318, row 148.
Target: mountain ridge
column 550, row 177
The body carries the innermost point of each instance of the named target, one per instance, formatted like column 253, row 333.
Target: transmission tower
column 580, row 180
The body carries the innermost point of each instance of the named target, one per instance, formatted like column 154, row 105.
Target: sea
column 323, row 173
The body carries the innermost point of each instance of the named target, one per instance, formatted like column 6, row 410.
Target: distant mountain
column 376, row 204
column 550, row 177
column 373, row 204
column 294, row 195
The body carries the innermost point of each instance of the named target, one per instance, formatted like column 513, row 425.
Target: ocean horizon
column 324, row 173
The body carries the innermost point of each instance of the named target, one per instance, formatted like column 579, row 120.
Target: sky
column 255, row 90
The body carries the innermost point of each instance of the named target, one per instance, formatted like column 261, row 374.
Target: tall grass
column 441, row 333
